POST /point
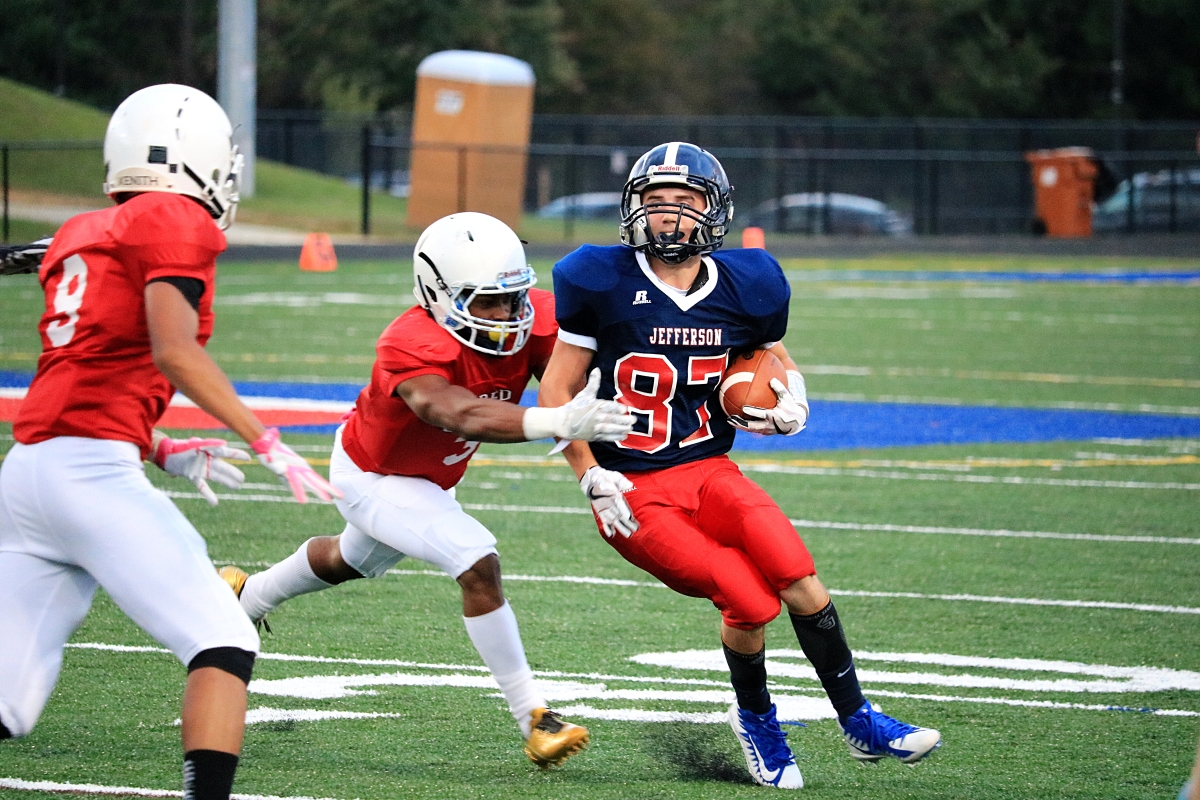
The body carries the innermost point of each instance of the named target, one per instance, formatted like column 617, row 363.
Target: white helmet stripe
column 672, row 152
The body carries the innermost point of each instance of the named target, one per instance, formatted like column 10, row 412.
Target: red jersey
column 96, row 377
column 384, row 436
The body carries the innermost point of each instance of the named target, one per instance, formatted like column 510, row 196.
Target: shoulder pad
column 596, row 268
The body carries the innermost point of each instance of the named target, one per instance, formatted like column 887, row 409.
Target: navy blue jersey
column 662, row 353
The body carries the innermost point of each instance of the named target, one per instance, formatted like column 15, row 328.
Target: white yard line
column 964, row 598
column 56, row 787
column 999, row 533
column 1011, row 480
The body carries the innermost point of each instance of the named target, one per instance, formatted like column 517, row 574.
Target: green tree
column 896, row 58
column 364, row 53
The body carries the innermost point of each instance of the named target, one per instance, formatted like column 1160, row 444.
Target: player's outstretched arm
column 438, row 402
column 172, row 324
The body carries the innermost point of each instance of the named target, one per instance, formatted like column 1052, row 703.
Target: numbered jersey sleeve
column 663, row 352
column 384, row 436
column 96, row 377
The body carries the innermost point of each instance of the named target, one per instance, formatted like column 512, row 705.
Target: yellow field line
column 954, row 464
column 989, row 375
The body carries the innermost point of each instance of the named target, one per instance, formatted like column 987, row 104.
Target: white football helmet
column 176, row 139
column 463, row 256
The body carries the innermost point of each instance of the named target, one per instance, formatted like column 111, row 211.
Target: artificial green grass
column 110, row 719
column 960, row 342
column 21, row 231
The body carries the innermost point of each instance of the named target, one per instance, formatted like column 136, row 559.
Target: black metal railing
column 790, row 189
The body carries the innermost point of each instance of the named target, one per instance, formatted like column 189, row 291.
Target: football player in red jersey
column 446, row 375
column 657, row 316
column 128, row 310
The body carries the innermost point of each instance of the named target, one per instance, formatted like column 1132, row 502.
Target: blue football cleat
column 764, row 744
column 871, row 735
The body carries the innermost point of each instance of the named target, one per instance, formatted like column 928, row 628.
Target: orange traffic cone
column 317, row 254
column 754, row 237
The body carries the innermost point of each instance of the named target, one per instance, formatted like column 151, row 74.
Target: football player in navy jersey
column 659, row 315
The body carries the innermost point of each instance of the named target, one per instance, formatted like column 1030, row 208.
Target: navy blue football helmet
column 677, row 164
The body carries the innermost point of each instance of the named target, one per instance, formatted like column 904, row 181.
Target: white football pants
column 391, row 516
column 76, row 513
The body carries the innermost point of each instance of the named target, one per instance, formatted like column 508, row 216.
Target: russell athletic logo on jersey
column 640, row 299
column 686, row 337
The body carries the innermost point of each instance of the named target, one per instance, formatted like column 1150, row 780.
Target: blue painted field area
column 1117, row 276
column 840, row 425
column 837, row 425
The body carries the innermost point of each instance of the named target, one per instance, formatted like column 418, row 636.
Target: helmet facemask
column 705, row 175
column 216, row 191
column 450, row 306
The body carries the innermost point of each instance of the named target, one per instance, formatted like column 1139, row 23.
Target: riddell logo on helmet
column 680, row 169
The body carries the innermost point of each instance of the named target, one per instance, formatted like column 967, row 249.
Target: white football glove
column 291, row 468
column 584, row 418
column 790, row 414
column 606, row 488
column 198, row 460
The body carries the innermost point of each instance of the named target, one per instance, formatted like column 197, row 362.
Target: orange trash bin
column 1063, row 188
column 471, row 121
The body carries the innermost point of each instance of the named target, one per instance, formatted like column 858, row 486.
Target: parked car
column 589, row 205
column 1152, row 203
column 834, row 213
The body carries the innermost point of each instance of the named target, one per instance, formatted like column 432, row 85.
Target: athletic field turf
column 1035, row 598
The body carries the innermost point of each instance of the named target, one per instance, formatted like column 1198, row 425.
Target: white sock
column 293, row 576
column 496, row 637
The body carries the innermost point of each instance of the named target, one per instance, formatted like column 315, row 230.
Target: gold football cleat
column 553, row 740
column 236, row 578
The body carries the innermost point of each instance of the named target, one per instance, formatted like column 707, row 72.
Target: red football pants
column 709, row 531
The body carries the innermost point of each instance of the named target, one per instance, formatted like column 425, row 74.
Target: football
column 747, row 382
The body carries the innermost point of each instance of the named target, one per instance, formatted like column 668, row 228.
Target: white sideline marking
column 92, row 788
column 1012, row 480
column 542, row 578
column 637, row 715
column 971, row 598
column 264, row 714
column 1023, row 601
column 1112, row 680
column 1004, row 479
column 1002, row 533
column 251, row 401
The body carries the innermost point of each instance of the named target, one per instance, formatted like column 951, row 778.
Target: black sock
column 208, row 774
column 748, row 674
column 824, row 644
column 4, row 732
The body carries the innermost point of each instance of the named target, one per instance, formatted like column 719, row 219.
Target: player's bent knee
column 237, row 662
column 366, row 556
column 750, row 614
